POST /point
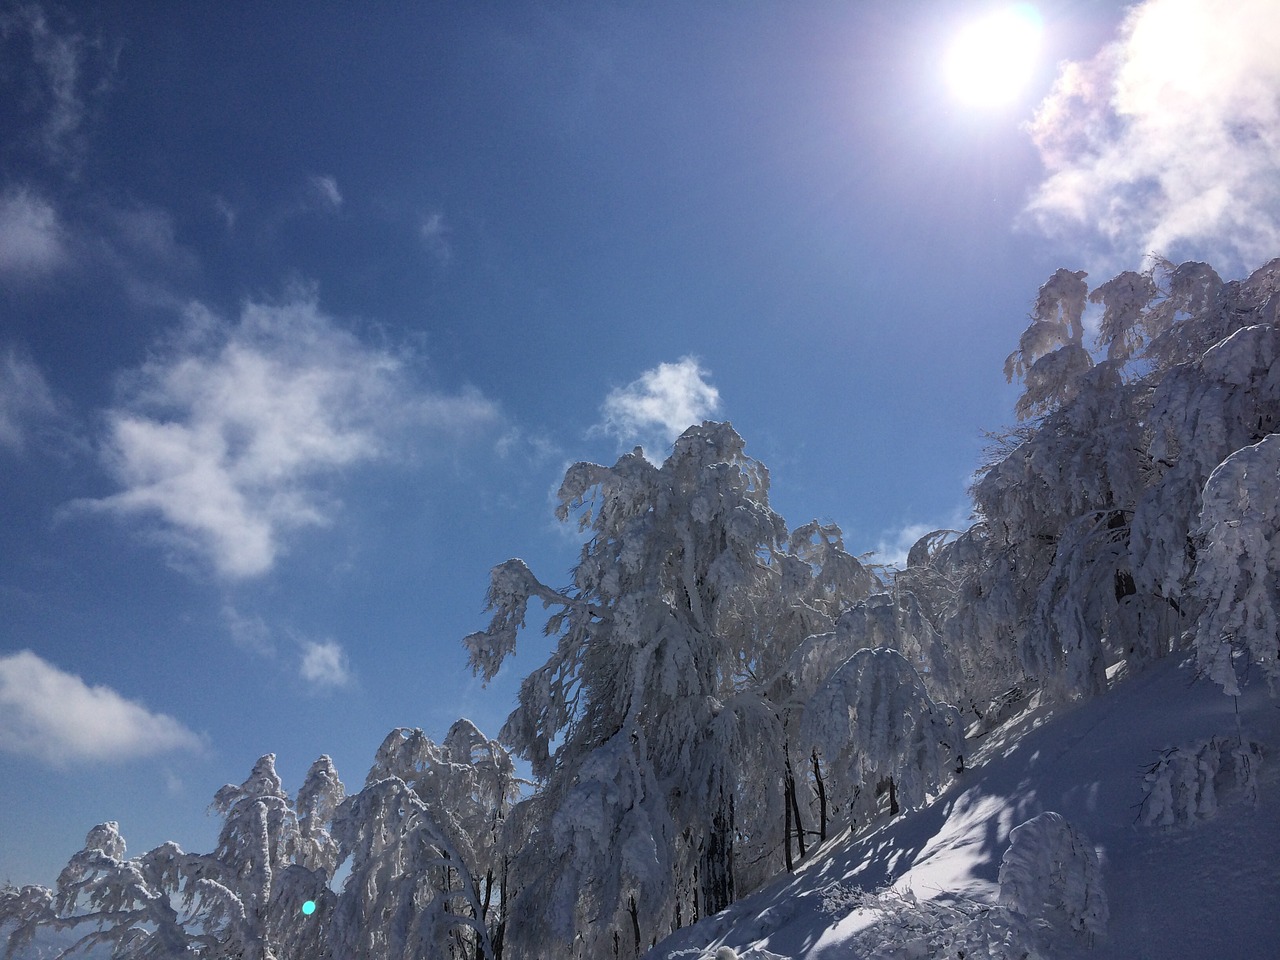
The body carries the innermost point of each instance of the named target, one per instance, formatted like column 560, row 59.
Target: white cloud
column 31, row 237
column 58, row 719
column 326, row 191
column 324, row 665
column 230, row 432
column 26, row 402
column 894, row 545
column 660, row 405
column 1168, row 141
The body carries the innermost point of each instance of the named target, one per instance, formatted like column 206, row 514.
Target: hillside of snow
column 1206, row 888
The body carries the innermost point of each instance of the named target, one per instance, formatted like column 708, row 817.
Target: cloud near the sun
column 58, row 719
column 1168, row 141
column 230, row 434
column 658, row 406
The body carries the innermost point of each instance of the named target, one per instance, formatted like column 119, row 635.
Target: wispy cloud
column 225, row 212
column 230, row 433
column 1168, row 141
column 27, row 405
column 138, row 245
column 660, row 405
column 58, row 719
column 325, row 190
column 135, row 246
column 31, row 236
column 249, row 633
column 70, row 73
column 321, row 665
column 324, row 665
column 535, row 448
column 435, row 235
column 147, row 234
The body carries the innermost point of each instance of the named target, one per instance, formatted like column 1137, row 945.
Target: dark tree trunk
column 717, row 859
column 694, row 896
column 822, row 797
column 635, row 924
column 795, row 807
column 500, row 928
column 484, row 911
column 732, row 833
column 786, row 830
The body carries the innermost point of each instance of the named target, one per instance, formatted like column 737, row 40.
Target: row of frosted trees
column 723, row 693
column 422, row 843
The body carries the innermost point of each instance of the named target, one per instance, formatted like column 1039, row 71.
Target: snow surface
column 1185, row 892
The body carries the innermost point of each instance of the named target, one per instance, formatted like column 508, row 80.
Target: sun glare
column 991, row 59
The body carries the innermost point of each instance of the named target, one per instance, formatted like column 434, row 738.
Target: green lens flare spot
column 309, row 907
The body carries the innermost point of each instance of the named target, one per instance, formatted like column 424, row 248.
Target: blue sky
column 303, row 312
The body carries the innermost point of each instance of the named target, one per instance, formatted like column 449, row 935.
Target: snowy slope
column 1209, row 889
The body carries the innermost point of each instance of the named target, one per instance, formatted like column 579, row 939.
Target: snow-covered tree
column 1238, row 565
column 1060, row 504
column 1051, row 876
column 1202, row 411
column 424, row 843
column 650, row 692
column 410, row 892
column 425, row 838
column 1051, row 357
column 1087, row 519
column 873, row 721
column 1191, row 781
column 259, row 838
column 908, row 927
column 631, row 684
column 243, row 900
column 109, row 901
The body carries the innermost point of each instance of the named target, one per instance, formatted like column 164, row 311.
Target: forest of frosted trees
column 724, row 693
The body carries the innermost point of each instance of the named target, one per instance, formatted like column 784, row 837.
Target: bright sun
column 991, row 60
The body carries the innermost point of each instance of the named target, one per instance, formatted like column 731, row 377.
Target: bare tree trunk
column 635, row 924
column 695, row 893
column 733, row 892
column 793, row 802
column 484, row 911
column 500, row 928
column 822, row 797
column 786, row 830
column 717, row 859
